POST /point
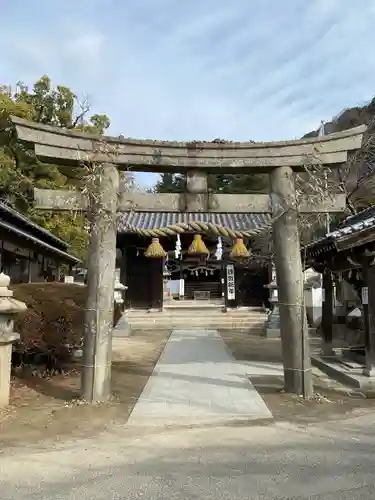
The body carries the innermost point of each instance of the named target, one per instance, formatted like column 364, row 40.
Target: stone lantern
column 9, row 308
column 273, row 320
column 122, row 328
column 119, row 289
column 167, row 297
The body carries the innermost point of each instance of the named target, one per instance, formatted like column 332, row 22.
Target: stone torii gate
column 196, row 160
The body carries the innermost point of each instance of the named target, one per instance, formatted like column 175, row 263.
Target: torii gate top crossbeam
column 66, row 147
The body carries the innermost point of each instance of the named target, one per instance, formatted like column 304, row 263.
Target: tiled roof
column 5, row 208
column 155, row 220
column 353, row 224
column 23, row 234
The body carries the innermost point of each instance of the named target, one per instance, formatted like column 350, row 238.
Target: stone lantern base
column 9, row 308
column 273, row 321
column 272, row 326
column 6, row 342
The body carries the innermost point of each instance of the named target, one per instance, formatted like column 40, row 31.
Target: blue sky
column 198, row 69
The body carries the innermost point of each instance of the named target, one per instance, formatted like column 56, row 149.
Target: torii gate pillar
column 293, row 322
column 102, row 214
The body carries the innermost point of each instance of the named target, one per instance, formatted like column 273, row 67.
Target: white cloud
column 262, row 70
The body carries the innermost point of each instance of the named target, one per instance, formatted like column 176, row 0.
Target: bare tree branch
column 84, row 107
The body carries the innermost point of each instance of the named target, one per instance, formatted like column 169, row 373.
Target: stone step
column 222, row 319
column 203, row 306
column 133, row 328
column 158, row 317
column 259, row 333
column 193, row 304
column 197, row 305
column 195, row 321
column 209, row 317
column 194, row 313
column 208, row 324
column 215, row 317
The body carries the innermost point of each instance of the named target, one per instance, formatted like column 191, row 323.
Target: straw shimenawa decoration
column 198, row 246
column 239, row 251
column 155, row 250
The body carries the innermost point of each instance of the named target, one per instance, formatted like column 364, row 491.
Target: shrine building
column 165, row 255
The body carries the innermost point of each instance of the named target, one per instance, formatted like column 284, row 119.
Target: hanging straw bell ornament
column 155, row 250
column 198, row 246
column 239, row 250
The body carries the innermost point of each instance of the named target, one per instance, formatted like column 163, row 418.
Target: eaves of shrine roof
column 354, row 231
column 43, row 246
column 13, row 217
column 15, row 224
column 254, row 223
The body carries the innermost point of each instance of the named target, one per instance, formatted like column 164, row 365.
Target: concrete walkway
column 197, row 381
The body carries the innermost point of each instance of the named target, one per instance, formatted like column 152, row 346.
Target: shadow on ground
column 263, row 360
column 50, row 409
column 54, row 387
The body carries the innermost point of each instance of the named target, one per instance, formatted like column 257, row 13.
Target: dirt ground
column 331, row 401
column 49, row 408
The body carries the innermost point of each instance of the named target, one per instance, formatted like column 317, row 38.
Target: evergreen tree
column 240, row 183
column 170, row 183
column 20, row 171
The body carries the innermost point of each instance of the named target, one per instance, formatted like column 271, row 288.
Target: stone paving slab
column 197, row 380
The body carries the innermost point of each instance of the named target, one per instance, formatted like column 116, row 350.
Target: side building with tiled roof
column 355, row 231
column 346, row 258
column 28, row 252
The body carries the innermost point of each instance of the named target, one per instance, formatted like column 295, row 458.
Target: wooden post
column 29, row 276
column 367, row 293
column 58, row 271
column 123, row 266
column 1, row 255
column 96, row 374
column 294, row 330
column 157, row 285
column 327, row 313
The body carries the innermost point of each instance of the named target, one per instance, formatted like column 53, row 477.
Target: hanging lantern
column 198, row 246
column 155, row 250
column 239, row 250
